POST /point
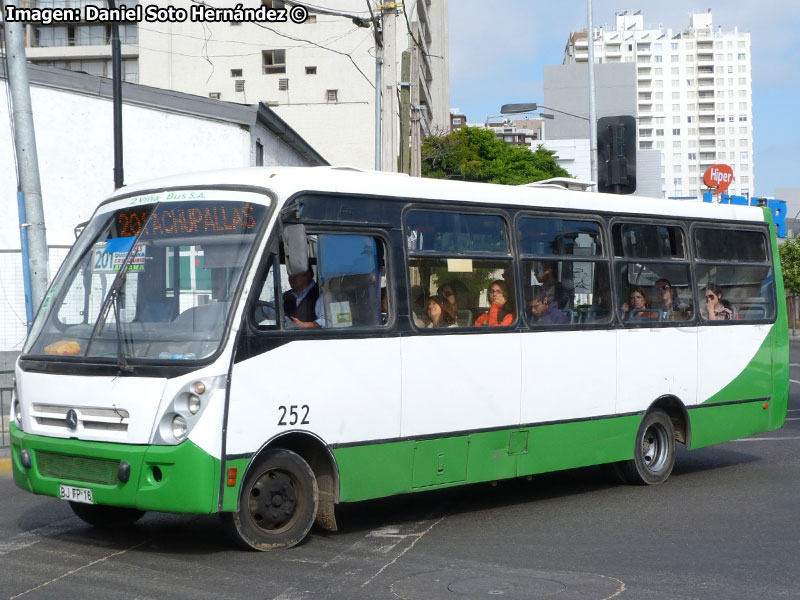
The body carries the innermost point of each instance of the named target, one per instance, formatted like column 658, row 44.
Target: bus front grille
column 77, row 468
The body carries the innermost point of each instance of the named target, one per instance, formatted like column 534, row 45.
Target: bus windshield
column 152, row 281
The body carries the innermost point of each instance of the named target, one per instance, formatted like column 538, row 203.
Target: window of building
column 259, row 154
column 690, row 119
column 215, row 95
column 277, row 4
column 659, row 132
column 332, row 95
column 238, row 85
column 283, row 84
column 742, row 117
column 676, row 95
column 676, row 144
column 743, row 155
column 742, row 56
column 692, row 156
column 236, row 72
column 720, row 118
column 658, row 58
column 730, row 118
column 273, row 61
column 457, row 120
column 311, row 70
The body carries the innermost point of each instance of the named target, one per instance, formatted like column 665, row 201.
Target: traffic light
column 616, row 154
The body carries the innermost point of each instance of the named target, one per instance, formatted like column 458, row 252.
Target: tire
column 278, row 503
column 654, row 451
column 100, row 515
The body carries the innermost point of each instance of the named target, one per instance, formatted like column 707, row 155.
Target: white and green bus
column 453, row 333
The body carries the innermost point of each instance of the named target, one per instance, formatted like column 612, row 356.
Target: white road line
column 793, row 419
column 68, row 573
column 34, row 536
column 794, row 364
column 794, row 381
column 769, row 439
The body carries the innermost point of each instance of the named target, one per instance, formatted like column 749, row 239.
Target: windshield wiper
column 122, row 360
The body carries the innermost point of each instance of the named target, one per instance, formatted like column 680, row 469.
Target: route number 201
column 293, row 414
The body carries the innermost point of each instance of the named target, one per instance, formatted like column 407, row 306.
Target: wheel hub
column 273, row 500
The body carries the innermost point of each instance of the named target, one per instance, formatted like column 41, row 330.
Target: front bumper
column 179, row 479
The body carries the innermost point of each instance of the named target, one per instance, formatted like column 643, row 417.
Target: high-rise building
column 318, row 75
column 693, row 95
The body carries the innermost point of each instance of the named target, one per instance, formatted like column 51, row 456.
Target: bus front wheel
column 100, row 515
column 654, row 451
column 278, row 502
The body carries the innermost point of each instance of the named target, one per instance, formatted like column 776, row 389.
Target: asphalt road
column 725, row 526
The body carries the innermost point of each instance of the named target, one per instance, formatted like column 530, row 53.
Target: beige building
column 693, row 94
column 318, row 75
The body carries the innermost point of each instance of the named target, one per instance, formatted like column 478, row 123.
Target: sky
column 498, row 51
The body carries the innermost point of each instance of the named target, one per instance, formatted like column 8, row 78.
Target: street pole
column 32, row 222
column 116, row 62
column 377, row 33
column 389, row 107
column 592, row 108
column 416, row 125
column 405, row 110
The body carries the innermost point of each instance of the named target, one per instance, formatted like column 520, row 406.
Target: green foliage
column 475, row 154
column 790, row 265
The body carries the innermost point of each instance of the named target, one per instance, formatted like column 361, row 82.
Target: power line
column 297, row 39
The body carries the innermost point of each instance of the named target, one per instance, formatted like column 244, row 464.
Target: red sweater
column 490, row 318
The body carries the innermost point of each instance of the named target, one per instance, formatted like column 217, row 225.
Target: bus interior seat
column 464, row 317
column 206, row 317
column 569, row 313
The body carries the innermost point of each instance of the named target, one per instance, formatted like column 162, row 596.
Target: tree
column 475, row 154
column 790, row 265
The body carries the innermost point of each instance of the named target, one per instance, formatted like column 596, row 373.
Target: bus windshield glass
column 150, row 282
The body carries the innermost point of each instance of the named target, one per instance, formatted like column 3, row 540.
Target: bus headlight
column 193, row 403
column 179, row 429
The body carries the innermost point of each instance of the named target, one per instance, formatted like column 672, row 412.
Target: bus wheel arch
column 677, row 412
column 318, row 456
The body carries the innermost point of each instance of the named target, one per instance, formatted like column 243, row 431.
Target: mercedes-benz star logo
column 72, row 419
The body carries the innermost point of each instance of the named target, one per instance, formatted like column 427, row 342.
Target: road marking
column 794, row 364
column 793, row 419
column 768, row 439
column 34, row 536
column 410, row 546
column 794, row 381
column 68, row 573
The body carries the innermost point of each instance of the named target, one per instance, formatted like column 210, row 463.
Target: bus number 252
column 294, row 415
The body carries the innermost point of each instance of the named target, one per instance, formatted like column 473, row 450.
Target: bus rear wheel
column 106, row 516
column 278, row 503
column 654, row 451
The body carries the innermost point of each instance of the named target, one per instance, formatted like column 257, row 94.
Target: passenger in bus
column 556, row 291
column 501, row 311
column 441, row 313
column 456, row 293
column 636, row 306
column 716, row 308
column 669, row 302
column 543, row 312
column 303, row 303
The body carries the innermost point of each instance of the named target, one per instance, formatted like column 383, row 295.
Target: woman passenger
column 441, row 313
column 637, row 300
column 501, row 311
column 716, row 308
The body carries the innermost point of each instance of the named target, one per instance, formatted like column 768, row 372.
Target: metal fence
column 5, row 409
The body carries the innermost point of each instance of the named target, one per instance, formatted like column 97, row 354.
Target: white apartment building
column 694, row 95
column 319, row 75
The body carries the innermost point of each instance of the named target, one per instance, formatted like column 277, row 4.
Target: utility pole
column 405, row 110
column 116, row 62
column 592, row 107
column 389, row 106
column 416, row 133
column 377, row 32
column 32, row 222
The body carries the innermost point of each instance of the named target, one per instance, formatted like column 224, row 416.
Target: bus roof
column 287, row 181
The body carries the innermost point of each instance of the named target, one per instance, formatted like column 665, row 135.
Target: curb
column 5, row 466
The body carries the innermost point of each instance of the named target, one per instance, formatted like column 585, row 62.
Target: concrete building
column 693, row 95
column 318, row 75
column 165, row 133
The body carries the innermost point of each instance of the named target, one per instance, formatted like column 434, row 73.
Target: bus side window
column 265, row 308
column 352, row 279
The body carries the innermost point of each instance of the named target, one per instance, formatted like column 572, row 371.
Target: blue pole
column 26, row 271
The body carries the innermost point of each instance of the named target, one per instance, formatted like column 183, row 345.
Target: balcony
column 712, row 143
column 706, row 107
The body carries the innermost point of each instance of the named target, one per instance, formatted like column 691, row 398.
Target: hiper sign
column 719, row 177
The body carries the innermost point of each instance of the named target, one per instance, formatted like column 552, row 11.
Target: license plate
column 75, row 494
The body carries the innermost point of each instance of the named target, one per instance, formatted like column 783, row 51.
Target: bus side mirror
column 296, row 247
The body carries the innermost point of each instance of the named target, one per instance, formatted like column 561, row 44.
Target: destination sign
column 187, row 219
